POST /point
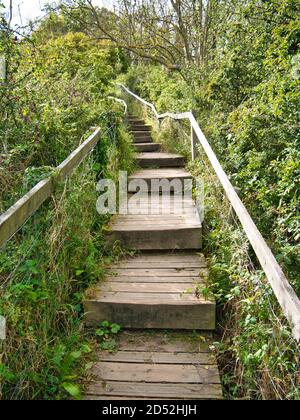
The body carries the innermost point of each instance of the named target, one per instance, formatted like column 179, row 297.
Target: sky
column 25, row 10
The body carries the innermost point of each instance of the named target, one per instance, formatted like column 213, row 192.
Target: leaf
column 76, row 355
column 85, row 348
column 115, row 328
column 79, row 272
column 72, row 389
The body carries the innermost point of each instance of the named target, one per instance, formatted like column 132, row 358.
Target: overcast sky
column 24, row 10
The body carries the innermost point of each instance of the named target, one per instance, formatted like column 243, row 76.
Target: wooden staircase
column 159, row 288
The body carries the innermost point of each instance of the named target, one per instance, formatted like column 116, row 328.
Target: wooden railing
column 22, row 210
column 283, row 291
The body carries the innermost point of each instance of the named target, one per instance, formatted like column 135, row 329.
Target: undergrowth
column 258, row 356
column 44, row 273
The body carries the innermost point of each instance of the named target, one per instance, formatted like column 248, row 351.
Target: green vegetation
column 55, row 91
column 236, row 64
column 107, row 333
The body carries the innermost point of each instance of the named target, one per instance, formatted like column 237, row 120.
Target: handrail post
column 194, row 143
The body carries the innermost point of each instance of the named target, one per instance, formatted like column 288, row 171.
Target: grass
column 45, row 271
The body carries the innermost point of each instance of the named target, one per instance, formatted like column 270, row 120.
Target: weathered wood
column 152, row 239
column 141, row 133
column 144, row 139
column 156, row 272
column 162, row 264
column 150, row 287
column 151, row 315
column 165, row 173
column 149, row 298
column 160, row 160
column 166, row 259
column 152, row 298
column 22, row 210
column 162, row 373
column 169, row 174
column 138, row 128
column 170, row 342
column 194, row 142
column 165, row 230
column 282, row 289
column 159, row 279
column 147, row 147
column 100, row 390
column 159, row 357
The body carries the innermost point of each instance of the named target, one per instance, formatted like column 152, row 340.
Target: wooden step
column 170, row 174
column 140, row 127
column 133, row 118
column 143, row 139
column 156, row 367
column 141, row 134
column 176, row 304
column 147, row 147
column 159, row 160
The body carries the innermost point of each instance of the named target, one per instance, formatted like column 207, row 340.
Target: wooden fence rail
column 22, row 210
column 282, row 289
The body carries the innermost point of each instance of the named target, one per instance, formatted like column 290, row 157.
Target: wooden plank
column 167, row 257
column 156, row 272
column 149, row 287
column 162, row 373
column 75, row 158
column 159, row 357
column 158, row 228
column 159, row 160
column 159, row 279
column 20, row 212
column 166, row 173
column 118, row 398
column 147, row 147
column 138, row 132
column 137, row 129
column 189, row 315
column 158, row 391
column 159, row 156
column 181, row 238
column 159, row 265
column 171, row 342
column 138, row 140
column 150, row 298
column 23, row 209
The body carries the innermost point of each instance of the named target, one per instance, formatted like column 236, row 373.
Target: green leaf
column 72, row 389
column 115, row 328
column 79, row 272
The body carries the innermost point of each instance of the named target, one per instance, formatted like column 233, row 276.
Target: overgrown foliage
column 55, row 90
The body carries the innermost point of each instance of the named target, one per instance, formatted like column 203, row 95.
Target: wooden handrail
column 23, row 209
column 120, row 101
column 285, row 294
